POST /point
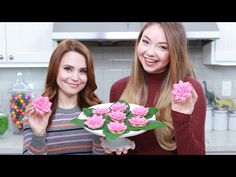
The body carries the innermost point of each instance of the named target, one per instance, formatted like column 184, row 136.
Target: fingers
column 125, row 151
column 107, row 150
column 118, row 152
column 102, row 139
column 132, row 144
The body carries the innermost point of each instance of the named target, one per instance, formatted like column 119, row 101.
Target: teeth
column 151, row 61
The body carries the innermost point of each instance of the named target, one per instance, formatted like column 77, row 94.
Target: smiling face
column 152, row 51
column 72, row 75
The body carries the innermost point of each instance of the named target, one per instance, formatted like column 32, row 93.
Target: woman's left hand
column 185, row 107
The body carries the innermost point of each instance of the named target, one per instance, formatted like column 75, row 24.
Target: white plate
column 100, row 132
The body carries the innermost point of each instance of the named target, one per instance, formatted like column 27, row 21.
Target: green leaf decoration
column 152, row 124
column 128, row 108
column 129, row 115
column 78, row 122
column 109, row 135
column 152, row 111
column 88, row 112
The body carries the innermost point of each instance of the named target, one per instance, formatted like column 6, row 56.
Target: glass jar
column 20, row 97
column 232, row 121
column 209, row 119
column 3, row 124
column 220, row 120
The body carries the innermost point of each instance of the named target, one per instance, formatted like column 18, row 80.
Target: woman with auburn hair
column 160, row 61
column 70, row 85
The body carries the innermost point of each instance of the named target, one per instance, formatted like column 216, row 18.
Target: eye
column 68, row 68
column 84, row 70
column 162, row 47
column 145, row 41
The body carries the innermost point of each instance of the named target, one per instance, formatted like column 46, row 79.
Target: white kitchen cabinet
column 223, row 50
column 25, row 44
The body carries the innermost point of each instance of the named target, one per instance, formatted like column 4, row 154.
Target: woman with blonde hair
column 161, row 60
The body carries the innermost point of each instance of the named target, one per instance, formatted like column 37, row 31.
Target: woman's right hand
column 37, row 122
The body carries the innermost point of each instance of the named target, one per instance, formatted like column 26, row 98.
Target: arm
column 190, row 128
column 35, row 131
column 33, row 144
column 96, row 145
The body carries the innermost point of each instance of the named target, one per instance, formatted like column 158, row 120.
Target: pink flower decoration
column 101, row 111
column 41, row 105
column 140, row 111
column 138, row 121
column 116, row 127
column 182, row 91
column 94, row 122
column 117, row 116
column 119, row 107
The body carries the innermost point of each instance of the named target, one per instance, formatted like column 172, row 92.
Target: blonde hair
column 178, row 68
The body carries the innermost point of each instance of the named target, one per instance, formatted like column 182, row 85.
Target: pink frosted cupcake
column 117, row 127
column 41, row 105
column 138, row 121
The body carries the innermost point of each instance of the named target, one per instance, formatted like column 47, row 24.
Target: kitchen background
column 114, row 62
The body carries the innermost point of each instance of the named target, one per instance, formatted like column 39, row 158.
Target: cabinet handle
column 11, row 57
column 1, row 57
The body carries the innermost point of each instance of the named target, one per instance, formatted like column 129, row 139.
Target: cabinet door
column 29, row 42
column 2, row 43
column 226, row 45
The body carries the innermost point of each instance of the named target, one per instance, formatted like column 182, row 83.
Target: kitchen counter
column 220, row 142
column 217, row 142
column 11, row 144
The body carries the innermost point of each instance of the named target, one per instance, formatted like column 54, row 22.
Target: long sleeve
column 96, row 146
column 62, row 137
column 190, row 129
column 33, row 144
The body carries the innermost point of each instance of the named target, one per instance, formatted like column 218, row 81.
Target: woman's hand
column 119, row 150
column 185, row 107
column 37, row 122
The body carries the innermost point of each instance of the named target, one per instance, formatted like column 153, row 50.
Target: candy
column 18, row 103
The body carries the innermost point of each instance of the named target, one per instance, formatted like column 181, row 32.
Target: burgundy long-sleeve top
column 189, row 129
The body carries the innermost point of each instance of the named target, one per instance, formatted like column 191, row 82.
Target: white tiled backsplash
column 113, row 63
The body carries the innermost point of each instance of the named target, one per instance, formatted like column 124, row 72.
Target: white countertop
column 220, row 142
column 11, row 144
column 217, row 142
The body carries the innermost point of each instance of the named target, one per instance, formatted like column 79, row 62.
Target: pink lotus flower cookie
column 138, row 121
column 41, row 105
column 182, row 91
column 94, row 122
column 116, row 127
column 117, row 116
column 140, row 111
column 119, row 107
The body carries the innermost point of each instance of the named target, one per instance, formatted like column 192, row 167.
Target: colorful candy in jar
column 18, row 103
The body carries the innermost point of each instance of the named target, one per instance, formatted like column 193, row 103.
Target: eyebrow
column 158, row 42
column 67, row 65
